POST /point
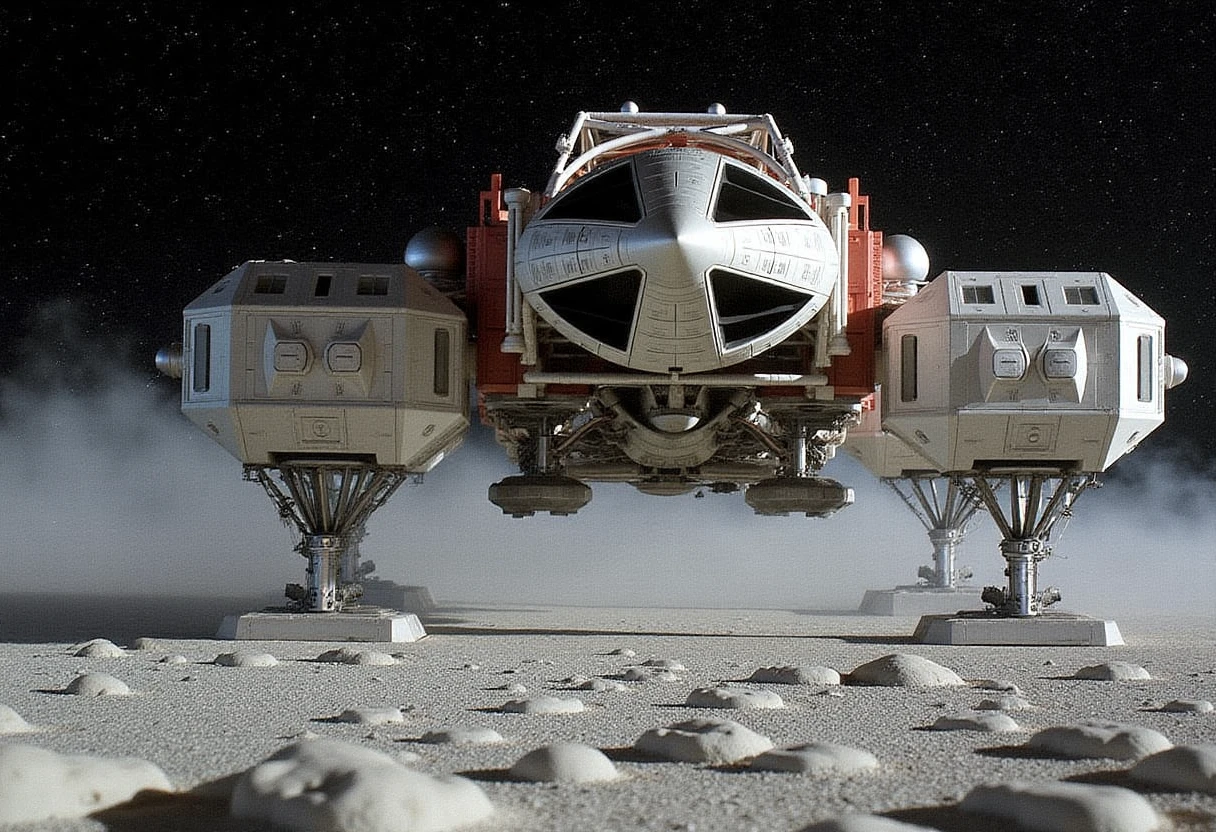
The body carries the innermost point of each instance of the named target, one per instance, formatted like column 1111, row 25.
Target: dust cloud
column 106, row 489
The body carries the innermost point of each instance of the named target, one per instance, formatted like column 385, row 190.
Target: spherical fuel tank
column 676, row 259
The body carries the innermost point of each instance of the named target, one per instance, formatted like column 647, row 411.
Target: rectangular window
column 1144, row 368
column 443, row 362
column 372, row 284
column 907, row 368
column 271, row 284
column 1030, row 295
column 1081, row 295
column 321, row 290
column 978, row 294
column 200, row 376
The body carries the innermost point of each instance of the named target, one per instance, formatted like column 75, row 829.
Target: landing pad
column 370, row 624
column 1044, row 630
column 920, row 600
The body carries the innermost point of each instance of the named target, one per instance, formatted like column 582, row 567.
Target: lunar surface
column 440, row 728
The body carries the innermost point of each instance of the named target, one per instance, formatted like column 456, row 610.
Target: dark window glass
column 745, row 195
column 602, row 309
column 1030, row 295
column 1145, row 360
column 271, row 284
column 200, row 378
column 322, row 288
column 609, row 196
column 748, row 308
column 907, row 368
column 443, row 361
column 978, row 294
column 1081, row 295
column 372, row 284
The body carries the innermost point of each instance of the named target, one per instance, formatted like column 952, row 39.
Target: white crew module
column 332, row 383
column 1015, row 370
column 285, row 361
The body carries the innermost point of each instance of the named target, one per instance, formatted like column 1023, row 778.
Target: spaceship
column 680, row 308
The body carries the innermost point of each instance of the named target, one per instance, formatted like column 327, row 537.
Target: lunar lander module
column 681, row 309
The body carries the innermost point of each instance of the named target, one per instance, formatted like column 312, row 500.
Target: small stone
column 97, row 684
column 1109, row 740
column 1188, row 706
column 12, row 722
column 623, row 651
column 325, row 784
column 1003, row 685
column 994, row 722
column 816, row 758
column 145, row 643
column 543, row 705
column 733, row 698
column 865, row 823
column 1076, row 807
column 100, row 648
column 372, row 716
column 665, row 664
column 174, row 659
column 37, row 785
column 1187, row 768
column 461, row 735
column 566, row 762
column 600, row 685
column 904, row 670
column 1008, row 702
column 703, row 741
column 787, row 675
column 649, row 674
column 1113, row 672
column 246, row 660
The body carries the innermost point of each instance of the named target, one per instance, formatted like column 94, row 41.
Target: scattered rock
column 1188, row 768
column 649, row 674
column 352, row 655
column 1003, row 685
column 865, row 823
column 331, row 785
column 39, row 785
column 246, row 660
column 543, row 705
column 993, row 721
column 100, row 648
column 787, row 675
column 600, row 685
column 12, row 722
column 816, row 758
column 565, row 762
column 97, row 684
column 623, row 651
column 372, row 716
column 733, row 698
column 174, row 659
column 1188, row 706
column 1008, row 702
column 1113, row 672
column 1058, row 806
column 665, row 664
column 904, row 670
column 1110, row 740
column 461, row 735
column 703, row 741
column 145, row 644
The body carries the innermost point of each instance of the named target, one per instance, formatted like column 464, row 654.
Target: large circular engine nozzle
column 169, row 361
